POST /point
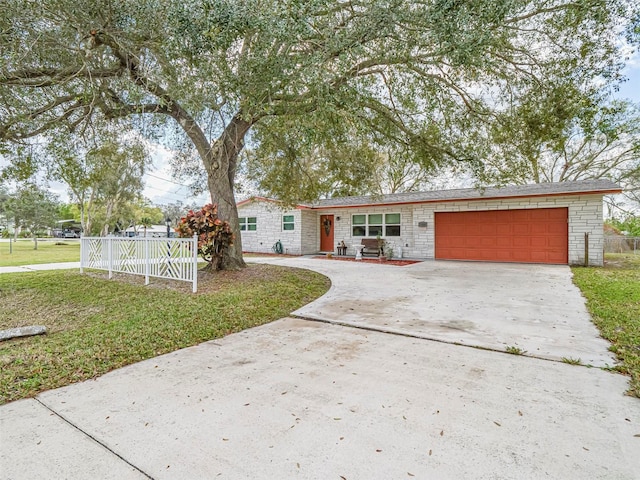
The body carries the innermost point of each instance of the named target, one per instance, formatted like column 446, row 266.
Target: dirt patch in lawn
column 208, row 282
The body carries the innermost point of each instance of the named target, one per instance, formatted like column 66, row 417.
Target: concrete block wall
column 343, row 227
column 585, row 216
column 269, row 228
column 310, row 240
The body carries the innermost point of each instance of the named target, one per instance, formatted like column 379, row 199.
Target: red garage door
column 533, row 236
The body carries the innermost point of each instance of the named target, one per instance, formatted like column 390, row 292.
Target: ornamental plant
column 214, row 235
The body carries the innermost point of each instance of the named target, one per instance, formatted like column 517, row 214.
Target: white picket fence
column 172, row 258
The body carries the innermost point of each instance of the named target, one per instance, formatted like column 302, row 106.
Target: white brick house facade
column 416, row 238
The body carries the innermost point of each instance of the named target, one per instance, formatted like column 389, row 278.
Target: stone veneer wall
column 342, row 230
column 585, row 216
column 269, row 228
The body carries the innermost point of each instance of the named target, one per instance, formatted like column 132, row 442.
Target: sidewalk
column 40, row 267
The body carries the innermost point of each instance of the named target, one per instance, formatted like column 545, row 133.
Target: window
column 374, row 224
column 287, row 222
column 248, row 223
column 392, row 224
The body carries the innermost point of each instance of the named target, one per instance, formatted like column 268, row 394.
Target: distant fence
column 171, row 258
column 614, row 244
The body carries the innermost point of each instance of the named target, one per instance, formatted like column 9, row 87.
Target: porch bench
column 371, row 247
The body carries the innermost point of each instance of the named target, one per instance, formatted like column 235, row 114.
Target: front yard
column 49, row 251
column 613, row 299
column 96, row 325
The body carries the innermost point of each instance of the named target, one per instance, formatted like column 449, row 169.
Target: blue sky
column 631, row 88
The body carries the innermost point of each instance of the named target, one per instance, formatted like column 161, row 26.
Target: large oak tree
column 413, row 73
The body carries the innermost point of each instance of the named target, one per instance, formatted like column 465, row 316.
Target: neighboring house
column 151, row 231
column 541, row 223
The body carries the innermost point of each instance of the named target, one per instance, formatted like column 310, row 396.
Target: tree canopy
column 34, row 208
column 296, row 76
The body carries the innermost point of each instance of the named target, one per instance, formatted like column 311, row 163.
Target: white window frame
column 291, row 222
column 384, row 224
column 245, row 224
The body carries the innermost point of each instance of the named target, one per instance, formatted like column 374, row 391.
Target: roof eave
column 469, row 199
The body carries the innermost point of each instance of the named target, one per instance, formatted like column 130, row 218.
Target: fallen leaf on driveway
column 497, row 423
column 441, row 432
column 430, row 452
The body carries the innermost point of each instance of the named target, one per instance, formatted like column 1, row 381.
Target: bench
column 371, row 247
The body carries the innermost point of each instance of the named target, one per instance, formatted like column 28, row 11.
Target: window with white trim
column 374, row 224
column 248, row 223
column 288, row 222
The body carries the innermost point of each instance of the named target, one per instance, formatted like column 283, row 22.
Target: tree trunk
column 35, row 241
column 221, row 164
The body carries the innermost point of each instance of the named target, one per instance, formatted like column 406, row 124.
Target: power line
column 167, row 180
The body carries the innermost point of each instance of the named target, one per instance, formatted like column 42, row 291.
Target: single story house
column 556, row 223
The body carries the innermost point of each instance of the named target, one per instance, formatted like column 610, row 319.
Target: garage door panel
column 519, row 235
column 539, row 242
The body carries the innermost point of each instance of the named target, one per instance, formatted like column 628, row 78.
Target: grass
column 48, row 252
column 613, row 299
column 513, row 350
column 572, row 361
column 92, row 330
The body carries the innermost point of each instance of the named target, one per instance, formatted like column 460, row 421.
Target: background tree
column 33, row 208
column 407, row 72
column 101, row 177
column 145, row 222
column 5, row 213
column 566, row 137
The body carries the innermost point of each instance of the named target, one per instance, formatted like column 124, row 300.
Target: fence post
column 586, row 249
column 146, row 261
column 194, row 251
column 110, row 256
column 81, row 253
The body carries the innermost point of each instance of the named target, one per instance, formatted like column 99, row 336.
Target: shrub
column 214, row 235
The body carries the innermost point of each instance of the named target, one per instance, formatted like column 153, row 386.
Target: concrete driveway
column 305, row 399
column 535, row 308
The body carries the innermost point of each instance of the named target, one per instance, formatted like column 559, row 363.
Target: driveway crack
column 96, row 440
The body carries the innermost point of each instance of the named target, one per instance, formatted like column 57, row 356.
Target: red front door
column 326, row 233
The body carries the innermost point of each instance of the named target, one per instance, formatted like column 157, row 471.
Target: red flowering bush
column 214, row 235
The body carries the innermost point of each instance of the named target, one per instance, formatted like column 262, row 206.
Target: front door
column 326, row 233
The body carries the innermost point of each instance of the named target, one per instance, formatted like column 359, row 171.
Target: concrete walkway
column 307, row 399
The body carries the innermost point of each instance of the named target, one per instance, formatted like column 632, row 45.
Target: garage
column 538, row 235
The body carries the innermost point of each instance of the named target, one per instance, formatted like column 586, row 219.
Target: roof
column 601, row 186
column 581, row 187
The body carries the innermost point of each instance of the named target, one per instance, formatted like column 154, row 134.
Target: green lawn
column 48, row 252
column 613, row 298
column 96, row 324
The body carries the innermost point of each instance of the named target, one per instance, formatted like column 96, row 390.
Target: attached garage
column 538, row 235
